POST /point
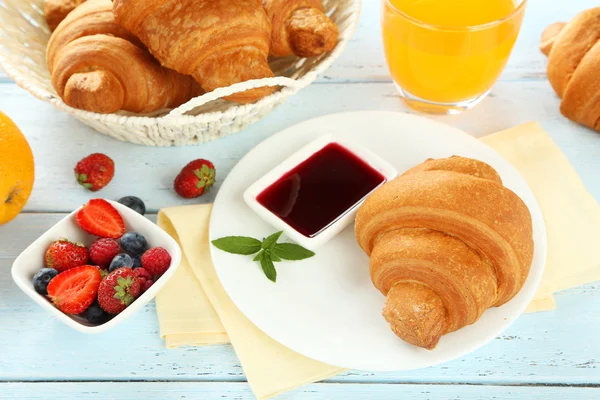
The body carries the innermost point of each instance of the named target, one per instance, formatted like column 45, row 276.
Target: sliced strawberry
column 98, row 217
column 74, row 290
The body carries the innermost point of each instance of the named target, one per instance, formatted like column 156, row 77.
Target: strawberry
column 118, row 290
column 195, row 179
column 156, row 261
column 98, row 217
column 74, row 290
column 63, row 255
column 95, row 171
column 102, row 251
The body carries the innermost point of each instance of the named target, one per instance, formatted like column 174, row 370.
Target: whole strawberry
column 195, row 179
column 102, row 252
column 118, row 290
column 156, row 261
column 64, row 254
column 95, row 171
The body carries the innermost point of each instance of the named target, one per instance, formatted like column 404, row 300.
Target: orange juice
column 449, row 51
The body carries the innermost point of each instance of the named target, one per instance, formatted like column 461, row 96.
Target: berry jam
column 321, row 189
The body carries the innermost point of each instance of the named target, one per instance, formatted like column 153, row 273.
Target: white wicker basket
column 24, row 35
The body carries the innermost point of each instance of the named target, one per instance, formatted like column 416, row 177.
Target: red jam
column 321, row 189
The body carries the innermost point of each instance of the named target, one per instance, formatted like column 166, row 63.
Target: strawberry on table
column 103, row 250
column 95, row 171
column 195, row 179
column 98, row 217
column 74, row 290
column 118, row 290
column 156, row 261
column 64, row 254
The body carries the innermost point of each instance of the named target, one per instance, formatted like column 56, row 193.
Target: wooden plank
column 547, row 348
column 59, row 141
column 241, row 391
column 363, row 59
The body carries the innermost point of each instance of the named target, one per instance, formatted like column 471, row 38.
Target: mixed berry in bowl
column 97, row 266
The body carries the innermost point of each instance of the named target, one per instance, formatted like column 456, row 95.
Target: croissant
column 573, row 51
column 300, row 27
column 218, row 42
column 96, row 65
column 57, row 10
column 446, row 241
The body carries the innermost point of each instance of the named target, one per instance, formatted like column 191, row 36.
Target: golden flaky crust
column 459, row 237
column 218, row 42
column 57, row 10
column 97, row 65
column 300, row 27
column 573, row 51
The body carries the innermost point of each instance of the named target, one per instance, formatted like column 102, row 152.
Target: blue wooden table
column 548, row 355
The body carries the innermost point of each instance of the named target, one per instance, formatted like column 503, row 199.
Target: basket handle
column 229, row 90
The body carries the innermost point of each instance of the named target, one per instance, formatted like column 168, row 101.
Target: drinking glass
column 445, row 55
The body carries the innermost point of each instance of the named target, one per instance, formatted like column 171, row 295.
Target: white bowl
column 329, row 232
column 31, row 260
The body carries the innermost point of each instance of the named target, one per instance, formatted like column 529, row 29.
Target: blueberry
column 135, row 203
column 133, row 243
column 120, row 261
column 95, row 314
column 137, row 262
column 42, row 278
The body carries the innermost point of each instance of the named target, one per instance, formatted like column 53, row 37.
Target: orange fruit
column 16, row 170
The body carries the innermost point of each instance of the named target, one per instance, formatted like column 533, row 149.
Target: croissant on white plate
column 447, row 240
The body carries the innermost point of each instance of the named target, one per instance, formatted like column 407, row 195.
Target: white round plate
column 326, row 307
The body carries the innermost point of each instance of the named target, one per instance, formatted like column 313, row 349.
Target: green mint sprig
column 267, row 252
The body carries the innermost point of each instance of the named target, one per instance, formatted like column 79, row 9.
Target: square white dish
column 31, row 260
column 345, row 219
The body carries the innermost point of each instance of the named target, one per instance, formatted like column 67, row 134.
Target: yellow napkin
column 193, row 309
column 185, row 315
column 571, row 213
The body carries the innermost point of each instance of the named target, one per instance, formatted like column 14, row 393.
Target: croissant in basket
column 300, row 27
column 96, row 65
column 573, row 51
column 447, row 241
column 218, row 42
column 55, row 11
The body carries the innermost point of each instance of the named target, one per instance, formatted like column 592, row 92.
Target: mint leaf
column 274, row 258
column 271, row 240
column 259, row 256
column 268, row 267
column 291, row 251
column 238, row 245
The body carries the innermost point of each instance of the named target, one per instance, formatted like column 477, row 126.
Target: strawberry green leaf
column 81, row 177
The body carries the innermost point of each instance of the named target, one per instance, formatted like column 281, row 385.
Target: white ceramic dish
column 32, row 259
column 330, row 231
column 326, row 307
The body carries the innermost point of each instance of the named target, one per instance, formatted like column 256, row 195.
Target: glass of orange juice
column 445, row 55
